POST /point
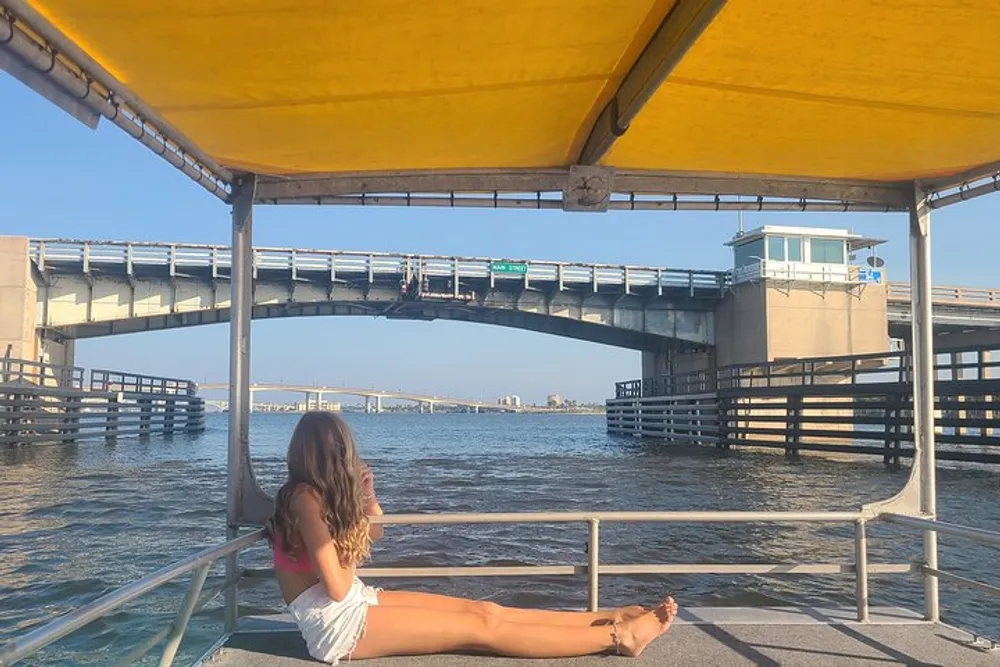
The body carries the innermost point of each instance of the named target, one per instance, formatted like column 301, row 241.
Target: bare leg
column 510, row 614
column 402, row 630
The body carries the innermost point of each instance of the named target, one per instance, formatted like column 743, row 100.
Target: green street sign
column 519, row 268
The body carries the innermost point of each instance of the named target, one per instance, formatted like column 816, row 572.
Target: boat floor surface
column 700, row 637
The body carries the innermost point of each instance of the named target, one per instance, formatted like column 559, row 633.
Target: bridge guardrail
column 88, row 254
column 945, row 294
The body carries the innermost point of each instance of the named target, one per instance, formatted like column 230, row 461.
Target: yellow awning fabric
column 888, row 90
column 853, row 89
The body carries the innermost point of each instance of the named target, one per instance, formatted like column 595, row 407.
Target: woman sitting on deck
column 320, row 533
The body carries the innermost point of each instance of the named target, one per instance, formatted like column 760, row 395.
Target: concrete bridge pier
column 368, row 405
column 677, row 361
column 19, row 327
column 656, row 363
column 378, row 405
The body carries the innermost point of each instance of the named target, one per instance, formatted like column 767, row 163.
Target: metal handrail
column 990, row 537
column 105, row 380
column 39, row 638
column 806, row 370
column 945, row 294
column 14, row 370
column 85, row 253
column 199, row 563
column 698, row 516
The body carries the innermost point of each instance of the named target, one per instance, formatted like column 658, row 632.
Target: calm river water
column 77, row 521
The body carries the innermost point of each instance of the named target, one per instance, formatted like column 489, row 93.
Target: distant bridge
column 373, row 397
column 91, row 289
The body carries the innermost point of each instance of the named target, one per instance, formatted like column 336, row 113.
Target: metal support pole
column 184, row 616
column 861, row 569
column 593, row 563
column 923, row 382
column 241, row 305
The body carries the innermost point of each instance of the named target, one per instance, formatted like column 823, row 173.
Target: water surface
column 79, row 520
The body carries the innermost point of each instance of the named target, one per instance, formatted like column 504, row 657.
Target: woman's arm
column 336, row 578
column 372, row 508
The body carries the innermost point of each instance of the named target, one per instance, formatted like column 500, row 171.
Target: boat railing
column 198, row 565
column 980, row 535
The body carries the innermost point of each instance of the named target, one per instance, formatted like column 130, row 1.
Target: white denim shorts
column 331, row 628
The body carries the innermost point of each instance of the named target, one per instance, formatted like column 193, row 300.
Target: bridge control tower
column 800, row 292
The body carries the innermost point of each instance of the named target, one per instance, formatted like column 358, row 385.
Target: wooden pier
column 860, row 404
column 41, row 403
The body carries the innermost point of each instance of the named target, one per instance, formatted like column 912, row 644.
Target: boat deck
column 701, row 637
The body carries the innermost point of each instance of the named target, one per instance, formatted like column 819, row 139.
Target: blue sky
column 59, row 179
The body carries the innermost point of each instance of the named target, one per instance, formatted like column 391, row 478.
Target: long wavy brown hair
column 322, row 456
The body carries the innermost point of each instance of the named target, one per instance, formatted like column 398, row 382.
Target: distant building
column 515, row 401
column 554, row 401
column 504, row 400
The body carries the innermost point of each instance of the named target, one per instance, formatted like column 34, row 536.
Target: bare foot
column 635, row 634
column 620, row 614
column 626, row 613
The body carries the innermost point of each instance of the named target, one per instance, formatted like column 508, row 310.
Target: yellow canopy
column 858, row 90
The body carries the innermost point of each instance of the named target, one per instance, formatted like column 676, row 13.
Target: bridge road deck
column 701, row 637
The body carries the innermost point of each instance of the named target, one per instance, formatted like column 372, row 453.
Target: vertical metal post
column 184, row 616
column 861, row 569
column 985, row 358
column 593, row 563
column 923, row 382
column 241, row 304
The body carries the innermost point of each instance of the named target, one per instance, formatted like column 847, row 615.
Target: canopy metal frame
column 46, row 59
column 43, row 58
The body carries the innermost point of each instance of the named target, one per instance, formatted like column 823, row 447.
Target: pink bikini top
column 296, row 562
